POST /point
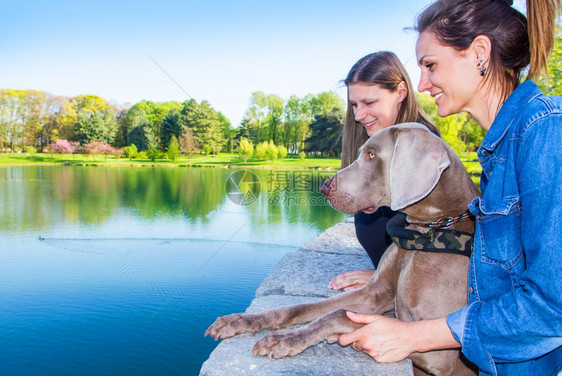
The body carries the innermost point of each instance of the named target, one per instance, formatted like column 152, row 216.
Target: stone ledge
column 302, row 277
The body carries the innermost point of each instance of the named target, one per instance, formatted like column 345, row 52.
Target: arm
column 524, row 322
column 390, row 340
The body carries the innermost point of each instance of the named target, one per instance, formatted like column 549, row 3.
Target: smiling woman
column 379, row 94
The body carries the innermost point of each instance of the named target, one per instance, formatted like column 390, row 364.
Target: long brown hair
column 385, row 70
column 517, row 42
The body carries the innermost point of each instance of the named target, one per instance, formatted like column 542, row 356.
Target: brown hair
column 517, row 42
column 384, row 69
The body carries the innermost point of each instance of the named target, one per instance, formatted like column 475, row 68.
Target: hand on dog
column 391, row 340
column 351, row 280
column 384, row 339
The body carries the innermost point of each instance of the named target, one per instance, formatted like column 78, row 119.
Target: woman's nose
column 425, row 84
column 359, row 113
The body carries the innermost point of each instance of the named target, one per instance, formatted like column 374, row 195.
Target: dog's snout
column 326, row 187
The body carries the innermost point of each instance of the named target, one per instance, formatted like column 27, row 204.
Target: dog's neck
column 450, row 197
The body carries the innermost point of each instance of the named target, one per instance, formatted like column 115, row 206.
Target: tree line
column 31, row 118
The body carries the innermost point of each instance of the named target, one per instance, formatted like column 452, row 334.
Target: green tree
column 274, row 116
column 173, row 151
column 256, row 113
column 325, row 102
column 188, row 143
column 143, row 136
column 297, row 120
column 326, row 130
column 207, row 127
column 228, row 132
column 96, row 126
column 246, row 131
column 171, row 127
column 23, row 114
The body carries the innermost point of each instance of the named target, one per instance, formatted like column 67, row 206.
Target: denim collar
column 510, row 109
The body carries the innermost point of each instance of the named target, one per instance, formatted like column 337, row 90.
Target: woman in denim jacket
column 471, row 53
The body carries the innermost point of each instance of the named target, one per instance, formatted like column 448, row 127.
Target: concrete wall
column 302, row 276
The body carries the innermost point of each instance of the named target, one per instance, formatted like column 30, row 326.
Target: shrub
column 282, row 151
column 100, row 148
column 271, row 151
column 302, row 155
column 152, row 153
column 30, row 150
column 130, row 151
column 261, row 150
column 246, row 149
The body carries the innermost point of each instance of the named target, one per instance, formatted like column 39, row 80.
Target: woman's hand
column 351, row 280
column 390, row 340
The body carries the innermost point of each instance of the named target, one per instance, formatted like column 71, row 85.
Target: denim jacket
column 512, row 324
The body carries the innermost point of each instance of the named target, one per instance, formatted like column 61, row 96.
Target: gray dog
column 407, row 168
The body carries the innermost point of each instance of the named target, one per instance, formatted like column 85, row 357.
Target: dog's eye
column 371, row 155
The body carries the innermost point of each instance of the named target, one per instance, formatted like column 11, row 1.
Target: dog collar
column 449, row 222
column 437, row 239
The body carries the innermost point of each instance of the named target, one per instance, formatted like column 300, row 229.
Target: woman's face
column 451, row 77
column 374, row 107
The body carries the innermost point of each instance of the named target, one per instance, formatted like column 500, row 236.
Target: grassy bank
column 220, row 160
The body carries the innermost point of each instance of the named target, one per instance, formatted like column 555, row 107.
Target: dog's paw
column 231, row 325
column 280, row 345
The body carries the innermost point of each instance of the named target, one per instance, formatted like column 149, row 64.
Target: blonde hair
column 385, row 70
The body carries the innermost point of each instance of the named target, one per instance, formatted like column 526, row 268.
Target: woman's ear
column 482, row 48
column 402, row 90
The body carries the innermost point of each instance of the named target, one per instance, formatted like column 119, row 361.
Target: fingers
column 349, row 338
column 351, row 280
column 361, row 318
column 359, row 336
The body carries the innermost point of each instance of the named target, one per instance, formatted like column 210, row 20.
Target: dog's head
column 396, row 167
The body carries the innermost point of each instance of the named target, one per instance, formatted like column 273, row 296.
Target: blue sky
column 217, row 50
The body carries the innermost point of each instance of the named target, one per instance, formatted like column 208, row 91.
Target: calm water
column 119, row 271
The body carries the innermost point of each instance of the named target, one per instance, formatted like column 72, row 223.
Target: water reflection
column 43, row 197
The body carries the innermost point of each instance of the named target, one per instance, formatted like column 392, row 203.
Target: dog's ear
column 418, row 161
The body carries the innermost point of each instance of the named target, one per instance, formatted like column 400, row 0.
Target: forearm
column 432, row 335
column 391, row 340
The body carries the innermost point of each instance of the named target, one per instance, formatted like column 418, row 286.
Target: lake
column 119, row 271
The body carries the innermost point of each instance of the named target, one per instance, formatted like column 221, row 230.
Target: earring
column 483, row 71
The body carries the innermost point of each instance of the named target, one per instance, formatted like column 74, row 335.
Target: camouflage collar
column 440, row 240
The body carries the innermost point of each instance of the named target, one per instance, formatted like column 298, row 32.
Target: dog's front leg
column 283, row 317
column 294, row 341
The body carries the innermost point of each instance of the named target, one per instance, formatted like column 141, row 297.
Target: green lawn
column 220, row 160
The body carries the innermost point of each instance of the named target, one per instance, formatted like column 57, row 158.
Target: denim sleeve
column 525, row 323
column 456, row 321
